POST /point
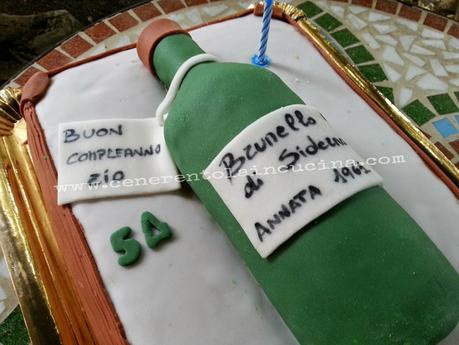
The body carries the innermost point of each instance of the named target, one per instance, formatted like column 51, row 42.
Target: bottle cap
column 152, row 35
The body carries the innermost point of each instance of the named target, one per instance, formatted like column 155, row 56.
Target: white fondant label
column 107, row 158
column 283, row 171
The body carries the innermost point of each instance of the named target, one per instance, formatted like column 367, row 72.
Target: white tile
column 245, row 4
column 391, row 73
column 452, row 68
column 406, row 41
column 194, row 16
column 100, row 48
column 178, row 17
column 337, row 10
column 123, row 40
column 454, row 43
column 2, row 307
column 357, row 9
column 404, row 96
column 413, row 71
column 416, row 49
column 386, row 39
column 408, row 24
column 356, row 22
column 390, row 54
column 212, row 11
column 415, row 59
column 368, row 38
column 437, row 68
column 376, row 17
column 384, row 28
column 454, row 82
column 2, row 294
column 430, row 82
column 429, row 33
column 450, row 55
column 434, row 43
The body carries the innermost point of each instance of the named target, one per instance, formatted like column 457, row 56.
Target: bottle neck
column 171, row 53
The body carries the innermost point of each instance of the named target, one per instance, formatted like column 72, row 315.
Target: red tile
column 454, row 30
column 123, row 21
column 22, row 79
column 365, row 3
column 170, row 5
column 146, row 11
column 195, row 2
column 411, row 13
column 457, row 165
column 455, row 145
column 54, row 59
column 76, row 46
column 99, row 32
column 445, row 151
column 386, row 6
column 435, row 21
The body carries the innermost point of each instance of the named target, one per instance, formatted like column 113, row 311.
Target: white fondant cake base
column 195, row 290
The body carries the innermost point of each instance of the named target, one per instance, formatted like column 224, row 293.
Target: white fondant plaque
column 283, row 171
column 107, row 158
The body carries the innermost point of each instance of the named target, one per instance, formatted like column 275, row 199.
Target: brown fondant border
column 105, row 326
column 95, row 301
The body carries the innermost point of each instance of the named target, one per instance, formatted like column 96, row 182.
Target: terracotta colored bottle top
column 152, row 35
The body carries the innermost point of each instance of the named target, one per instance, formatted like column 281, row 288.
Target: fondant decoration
column 211, row 305
column 291, row 163
column 163, row 108
column 261, row 59
column 107, row 158
column 128, row 247
column 154, row 230
column 361, row 253
column 203, row 256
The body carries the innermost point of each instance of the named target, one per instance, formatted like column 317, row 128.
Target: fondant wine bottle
column 363, row 272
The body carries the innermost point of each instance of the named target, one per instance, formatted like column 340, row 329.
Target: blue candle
column 261, row 59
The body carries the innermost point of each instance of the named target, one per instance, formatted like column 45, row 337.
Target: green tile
column 345, row 38
column 13, row 330
column 328, row 22
column 387, row 92
column 373, row 73
column 443, row 104
column 418, row 112
column 310, row 8
column 359, row 54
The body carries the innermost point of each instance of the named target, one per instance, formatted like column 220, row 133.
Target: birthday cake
column 305, row 254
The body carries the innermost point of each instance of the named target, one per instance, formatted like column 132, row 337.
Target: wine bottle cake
column 288, row 234
column 338, row 258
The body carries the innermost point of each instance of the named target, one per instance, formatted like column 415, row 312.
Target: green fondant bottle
column 363, row 273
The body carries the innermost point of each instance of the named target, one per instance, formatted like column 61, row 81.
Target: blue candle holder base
column 263, row 61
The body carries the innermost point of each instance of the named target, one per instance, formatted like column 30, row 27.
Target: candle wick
column 261, row 59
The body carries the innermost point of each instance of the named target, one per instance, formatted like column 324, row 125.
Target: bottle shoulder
column 233, row 86
column 216, row 101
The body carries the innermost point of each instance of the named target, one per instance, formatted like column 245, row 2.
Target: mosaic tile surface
column 413, row 64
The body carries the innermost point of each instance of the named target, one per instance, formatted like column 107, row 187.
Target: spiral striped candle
column 261, row 59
